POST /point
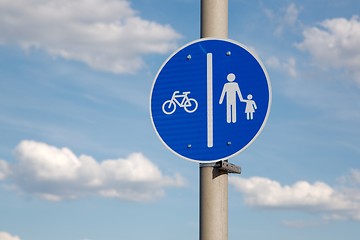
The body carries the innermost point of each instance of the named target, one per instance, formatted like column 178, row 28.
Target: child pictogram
column 250, row 107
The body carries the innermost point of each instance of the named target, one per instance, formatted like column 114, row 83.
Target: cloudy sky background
column 80, row 160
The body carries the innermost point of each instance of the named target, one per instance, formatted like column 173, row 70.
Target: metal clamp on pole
column 229, row 167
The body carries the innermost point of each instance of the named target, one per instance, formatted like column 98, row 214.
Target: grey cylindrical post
column 213, row 181
column 214, row 18
column 213, row 204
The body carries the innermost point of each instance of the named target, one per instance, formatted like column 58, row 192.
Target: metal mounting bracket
column 223, row 165
column 229, row 167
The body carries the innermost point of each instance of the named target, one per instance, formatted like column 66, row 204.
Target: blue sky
column 79, row 158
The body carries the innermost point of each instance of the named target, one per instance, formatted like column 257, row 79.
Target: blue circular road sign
column 210, row 100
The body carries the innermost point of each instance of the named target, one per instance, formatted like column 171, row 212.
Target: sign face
column 210, row 100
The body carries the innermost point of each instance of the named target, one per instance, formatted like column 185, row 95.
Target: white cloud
column 291, row 14
column 335, row 43
column 303, row 224
column 7, row 236
column 105, row 34
column 333, row 203
column 288, row 66
column 56, row 174
column 353, row 177
column 4, row 169
column 284, row 17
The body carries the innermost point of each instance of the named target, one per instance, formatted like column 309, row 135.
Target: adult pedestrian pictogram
column 210, row 100
column 231, row 90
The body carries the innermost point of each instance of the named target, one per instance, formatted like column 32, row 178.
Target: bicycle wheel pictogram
column 169, row 107
column 191, row 105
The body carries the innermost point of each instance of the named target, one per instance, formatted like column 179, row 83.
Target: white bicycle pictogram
column 189, row 104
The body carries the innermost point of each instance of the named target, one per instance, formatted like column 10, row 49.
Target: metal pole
column 213, row 203
column 213, row 180
column 214, row 18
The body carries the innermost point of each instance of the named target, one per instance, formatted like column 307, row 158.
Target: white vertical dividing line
column 209, row 76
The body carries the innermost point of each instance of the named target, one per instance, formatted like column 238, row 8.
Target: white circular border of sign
column 267, row 112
